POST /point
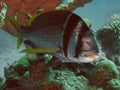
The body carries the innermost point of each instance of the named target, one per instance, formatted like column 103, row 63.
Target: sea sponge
column 68, row 79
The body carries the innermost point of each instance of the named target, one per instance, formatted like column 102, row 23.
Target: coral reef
column 3, row 11
column 113, row 84
column 95, row 88
column 109, row 38
column 21, row 9
column 1, row 82
column 64, row 4
column 22, row 75
column 68, row 79
column 103, row 72
column 24, row 83
column 77, row 3
column 71, row 4
column 56, row 75
column 52, row 86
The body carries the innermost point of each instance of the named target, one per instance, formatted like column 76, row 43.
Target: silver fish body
column 65, row 32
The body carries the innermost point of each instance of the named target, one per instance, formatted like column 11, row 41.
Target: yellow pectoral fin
column 39, row 50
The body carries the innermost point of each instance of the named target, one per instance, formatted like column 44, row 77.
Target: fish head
column 88, row 50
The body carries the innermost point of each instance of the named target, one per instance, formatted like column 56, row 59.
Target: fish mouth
column 88, row 56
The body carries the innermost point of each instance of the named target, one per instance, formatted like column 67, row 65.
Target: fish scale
column 45, row 38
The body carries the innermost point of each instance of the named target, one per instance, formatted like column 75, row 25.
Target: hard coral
column 113, row 84
column 3, row 11
column 38, row 69
column 52, row 86
column 103, row 72
column 32, row 78
column 68, row 79
column 78, row 3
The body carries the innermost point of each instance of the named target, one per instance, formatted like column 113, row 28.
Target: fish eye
column 84, row 55
column 86, row 39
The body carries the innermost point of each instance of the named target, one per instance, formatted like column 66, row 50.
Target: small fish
column 64, row 32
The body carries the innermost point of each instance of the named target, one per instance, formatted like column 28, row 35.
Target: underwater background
column 101, row 75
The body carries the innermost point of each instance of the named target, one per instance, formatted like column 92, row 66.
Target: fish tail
column 15, row 23
column 17, row 26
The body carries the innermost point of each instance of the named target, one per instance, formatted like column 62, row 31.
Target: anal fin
column 30, row 45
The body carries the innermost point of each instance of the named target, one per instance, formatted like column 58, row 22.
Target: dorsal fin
column 49, row 18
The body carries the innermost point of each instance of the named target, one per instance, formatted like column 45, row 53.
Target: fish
column 64, row 32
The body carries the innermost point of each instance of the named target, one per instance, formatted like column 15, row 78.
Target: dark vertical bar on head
column 69, row 29
column 83, row 29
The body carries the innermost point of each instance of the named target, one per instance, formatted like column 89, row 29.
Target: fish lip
column 87, row 53
column 82, row 59
column 88, row 58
